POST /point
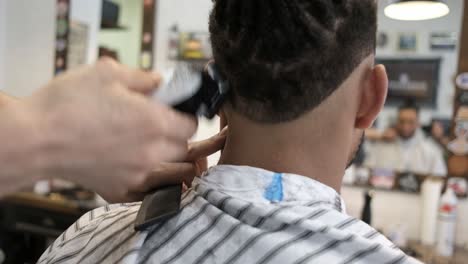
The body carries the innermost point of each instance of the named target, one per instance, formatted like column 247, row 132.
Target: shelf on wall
column 206, row 60
column 114, row 28
column 370, row 187
column 396, row 191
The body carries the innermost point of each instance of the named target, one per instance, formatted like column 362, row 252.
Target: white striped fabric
column 228, row 218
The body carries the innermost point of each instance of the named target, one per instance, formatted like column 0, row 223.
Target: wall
column 27, row 29
column 2, row 42
column 88, row 12
column 127, row 42
column 449, row 23
column 29, row 45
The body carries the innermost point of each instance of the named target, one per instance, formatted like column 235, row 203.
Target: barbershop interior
column 408, row 179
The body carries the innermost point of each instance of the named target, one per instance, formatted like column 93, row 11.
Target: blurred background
column 425, row 115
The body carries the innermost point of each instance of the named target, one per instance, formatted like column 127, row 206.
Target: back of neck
column 321, row 154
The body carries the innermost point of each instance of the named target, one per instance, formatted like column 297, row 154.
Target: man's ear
column 373, row 97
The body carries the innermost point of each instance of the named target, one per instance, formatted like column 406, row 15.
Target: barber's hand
column 99, row 130
column 389, row 135
column 194, row 165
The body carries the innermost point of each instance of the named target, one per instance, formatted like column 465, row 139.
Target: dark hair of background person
column 409, row 105
column 283, row 58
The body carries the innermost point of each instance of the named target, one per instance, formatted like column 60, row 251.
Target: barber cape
column 232, row 215
column 418, row 155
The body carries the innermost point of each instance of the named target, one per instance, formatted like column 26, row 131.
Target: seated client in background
column 410, row 151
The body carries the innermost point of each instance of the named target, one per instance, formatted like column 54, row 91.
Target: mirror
column 88, row 29
column 421, row 59
column 412, row 139
column 124, row 32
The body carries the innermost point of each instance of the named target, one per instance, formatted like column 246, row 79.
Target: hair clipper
column 195, row 92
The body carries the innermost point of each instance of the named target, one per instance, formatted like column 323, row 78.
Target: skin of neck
column 318, row 145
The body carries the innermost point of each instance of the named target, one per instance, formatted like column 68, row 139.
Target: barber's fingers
column 140, row 81
column 171, row 173
column 165, row 150
column 136, row 80
column 202, row 165
column 168, row 173
column 202, row 149
column 172, row 124
column 130, row 198
column 165, row 174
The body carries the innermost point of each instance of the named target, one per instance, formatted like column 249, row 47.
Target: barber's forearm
column 4, row 99
column 21, row 156
column 373, row 134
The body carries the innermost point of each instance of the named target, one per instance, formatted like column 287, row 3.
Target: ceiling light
column 414, row 10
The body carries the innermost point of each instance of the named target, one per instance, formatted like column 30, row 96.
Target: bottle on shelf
column 174, row 46
column 430, row 197
column 446, row 223
column 366, row 213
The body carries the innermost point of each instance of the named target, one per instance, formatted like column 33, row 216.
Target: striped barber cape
column 232, row 214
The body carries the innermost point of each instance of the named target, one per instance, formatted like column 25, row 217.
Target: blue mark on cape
column 274, row 192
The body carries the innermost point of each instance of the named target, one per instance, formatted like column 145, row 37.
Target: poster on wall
column 78, row 47
column 61, row 35
column 382, row 40
column 147, row 40
column 414, row 79
column 459, row 146
column 443, row 41
column 462, row 81
column 408, row 42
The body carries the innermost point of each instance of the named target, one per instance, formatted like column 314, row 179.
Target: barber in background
column 95, row 126
column 405, row 148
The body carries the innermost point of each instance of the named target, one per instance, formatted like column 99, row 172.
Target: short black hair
column 409, row 105
column 283, row 58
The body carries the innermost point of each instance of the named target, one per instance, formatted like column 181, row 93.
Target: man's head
column 304, row 66
column 408, row 121
column 283, row 58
